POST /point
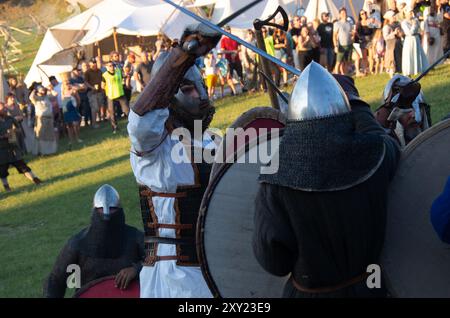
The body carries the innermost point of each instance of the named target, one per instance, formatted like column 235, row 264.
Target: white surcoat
column 161, row 173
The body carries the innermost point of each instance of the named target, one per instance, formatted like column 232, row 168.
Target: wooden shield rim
column 259, row 112
column 91, row 284
column 416, row 142
column 201, row 252
column 407, row 151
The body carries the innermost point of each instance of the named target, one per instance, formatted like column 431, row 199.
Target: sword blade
column 432, row 66
column 291, row 69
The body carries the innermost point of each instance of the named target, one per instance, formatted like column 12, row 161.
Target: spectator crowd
column 391, row 36
column 387, row 36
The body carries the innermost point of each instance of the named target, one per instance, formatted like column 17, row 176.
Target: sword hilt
column 191, row 46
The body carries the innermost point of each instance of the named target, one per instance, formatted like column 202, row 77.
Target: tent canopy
column 316, row 7
column 224, row 8
column 148, row 18
column 262, row 10
column 128, row 17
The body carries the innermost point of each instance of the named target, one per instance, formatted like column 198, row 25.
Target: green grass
column 35, row 222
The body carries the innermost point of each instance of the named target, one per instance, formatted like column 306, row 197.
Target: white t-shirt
column 210, row 65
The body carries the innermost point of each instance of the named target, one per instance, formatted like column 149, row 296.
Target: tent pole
column 317, row 9
column 350, row 2
column 167, row 20
column 99, row 51
column 116, row 43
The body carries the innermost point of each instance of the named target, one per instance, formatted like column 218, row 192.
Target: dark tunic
column 326, row 238
column 9, row 152
column 97, row 254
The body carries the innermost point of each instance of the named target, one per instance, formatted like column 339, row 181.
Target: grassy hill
column 35, row 222
column 18, row 14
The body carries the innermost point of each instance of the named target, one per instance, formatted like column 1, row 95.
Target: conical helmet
column 317, row 95
column 106, row 198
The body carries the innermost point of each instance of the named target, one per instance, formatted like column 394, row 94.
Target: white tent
column 262, row 10
column 128, row 17
column 224, row 8
column 316, row 7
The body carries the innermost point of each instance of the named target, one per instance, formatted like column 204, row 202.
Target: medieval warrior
column 171, row 184
column 107, row 247
column 321, row 217
column 403, row 114
column 10, row 152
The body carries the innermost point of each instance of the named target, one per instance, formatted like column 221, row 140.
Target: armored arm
column 163, row 86
column 366, row 123
column 56, row 283
column 195, row 42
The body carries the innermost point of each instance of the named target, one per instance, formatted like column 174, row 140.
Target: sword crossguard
column 259, row 24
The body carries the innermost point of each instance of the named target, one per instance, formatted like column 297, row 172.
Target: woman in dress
column 432, row 44
column 71, row 116
column 44, row 126
column 414, row 60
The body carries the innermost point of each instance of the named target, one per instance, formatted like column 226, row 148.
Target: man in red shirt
column 231, row 49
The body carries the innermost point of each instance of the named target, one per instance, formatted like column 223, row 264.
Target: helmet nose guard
column 106, row 198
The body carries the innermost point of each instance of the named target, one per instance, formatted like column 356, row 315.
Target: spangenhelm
column 316, row 95
column 106, row 198
column 321, row 148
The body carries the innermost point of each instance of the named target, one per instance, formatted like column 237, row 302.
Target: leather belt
column 151, row 260
column 150, row 193
column 329, row 289
column 168, row 240
column 170, row 226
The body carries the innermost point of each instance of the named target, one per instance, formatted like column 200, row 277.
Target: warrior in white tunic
column 170, row 185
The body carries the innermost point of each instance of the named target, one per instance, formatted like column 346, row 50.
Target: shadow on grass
column 68, row 175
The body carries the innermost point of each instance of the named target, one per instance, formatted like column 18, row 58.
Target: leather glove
column 408, row 93
column 199, row 39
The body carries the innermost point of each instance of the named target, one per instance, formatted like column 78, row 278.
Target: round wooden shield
column 105, row 288
column 415, row 261
column 258, row 118
column 225, row 225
